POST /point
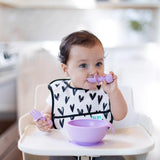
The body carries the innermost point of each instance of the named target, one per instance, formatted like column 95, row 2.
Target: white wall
column 111, row 26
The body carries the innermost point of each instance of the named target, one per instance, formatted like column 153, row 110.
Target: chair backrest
column 130, row 118
column 42, row 92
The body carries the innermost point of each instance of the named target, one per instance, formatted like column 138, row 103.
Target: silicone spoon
column 38, row 115
column 108, row 78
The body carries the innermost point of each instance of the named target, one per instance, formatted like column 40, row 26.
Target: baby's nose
column 93, row 71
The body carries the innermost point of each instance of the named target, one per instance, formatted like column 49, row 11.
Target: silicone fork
column 108, row 78
column 38, row 115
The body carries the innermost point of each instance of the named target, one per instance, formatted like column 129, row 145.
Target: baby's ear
column 65, row 68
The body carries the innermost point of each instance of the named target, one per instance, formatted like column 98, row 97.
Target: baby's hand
column 44, row 124
column 110, row 87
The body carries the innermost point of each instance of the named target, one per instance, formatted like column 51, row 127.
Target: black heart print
column 64, row 88
column 56, row 96
column 61, row 111
column 57, row 84
column 100, row 98
column 81, row 98
column 104, row 106
column 61, row 122
column 80, row 111
column 72, row 107
column 72, row 117
column 92, row 95
column 98, row 86
column 89, row 107
column 66, row 99
column 74, row 91
column 86, row 90
column 105, row 114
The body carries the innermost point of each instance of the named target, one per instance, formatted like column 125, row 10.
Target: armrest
column 24, row 121
column 134, row 118
column 146, row 122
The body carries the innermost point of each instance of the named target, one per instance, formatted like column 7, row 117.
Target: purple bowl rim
column 104, row 125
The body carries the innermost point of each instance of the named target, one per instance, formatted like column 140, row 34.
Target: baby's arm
column 118, row 103
column 45, row 125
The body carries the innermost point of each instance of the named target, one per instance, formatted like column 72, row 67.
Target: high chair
column 132, row 140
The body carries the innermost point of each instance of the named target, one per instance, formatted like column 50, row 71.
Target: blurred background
column 30, row 34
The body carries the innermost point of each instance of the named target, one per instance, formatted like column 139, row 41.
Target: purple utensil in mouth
column 108, row 78
column 38, row 115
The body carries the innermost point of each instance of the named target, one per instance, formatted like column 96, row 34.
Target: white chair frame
column 132, row 118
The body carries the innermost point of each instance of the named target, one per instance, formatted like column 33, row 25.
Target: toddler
column 82, row 56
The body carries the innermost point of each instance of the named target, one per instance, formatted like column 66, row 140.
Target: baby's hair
column 81, row 38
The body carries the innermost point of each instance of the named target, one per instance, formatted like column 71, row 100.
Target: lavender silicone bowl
column 87, row 131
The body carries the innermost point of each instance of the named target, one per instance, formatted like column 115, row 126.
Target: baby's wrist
column 113, row 91
column 47, row 115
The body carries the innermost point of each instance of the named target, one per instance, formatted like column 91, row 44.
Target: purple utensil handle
column 35, row 120
column 50, row 122
column 39, row 116
column 108, row 78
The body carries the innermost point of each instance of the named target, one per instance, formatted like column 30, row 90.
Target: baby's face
column 83, row 63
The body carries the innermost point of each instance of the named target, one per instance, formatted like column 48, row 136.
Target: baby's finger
column 45, row 122
column 47, row 116
column 113, row 75
column 104, row 83
column 42, row 123
column 44, row 129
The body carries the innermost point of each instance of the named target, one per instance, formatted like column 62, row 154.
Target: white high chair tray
column 126, row 141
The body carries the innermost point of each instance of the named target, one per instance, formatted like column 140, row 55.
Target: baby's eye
column 99, row 64
column 83, row 65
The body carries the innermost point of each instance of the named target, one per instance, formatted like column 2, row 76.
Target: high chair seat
column 133, row 136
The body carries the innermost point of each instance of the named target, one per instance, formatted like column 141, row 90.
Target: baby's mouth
column 93, row 79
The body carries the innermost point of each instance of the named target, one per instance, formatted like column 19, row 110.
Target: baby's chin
column 91, row 86
column 86, row 85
